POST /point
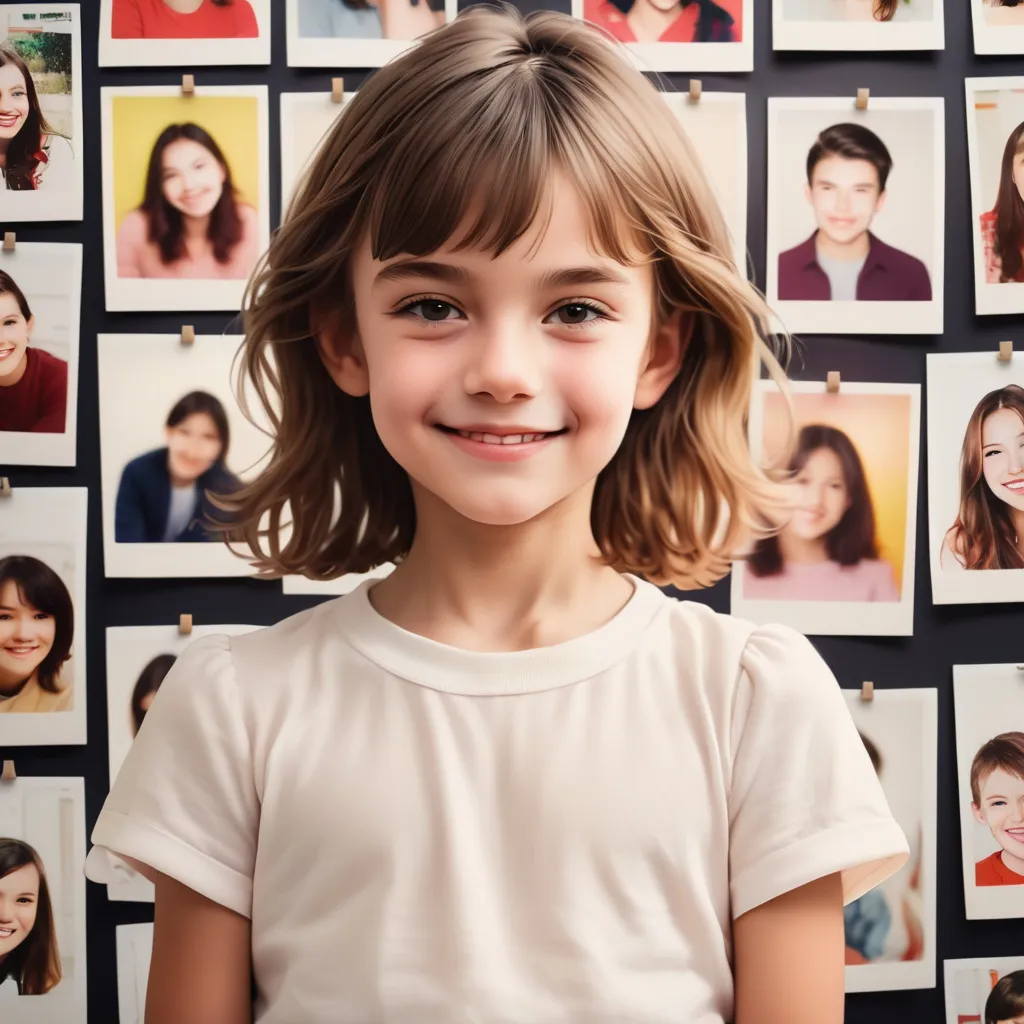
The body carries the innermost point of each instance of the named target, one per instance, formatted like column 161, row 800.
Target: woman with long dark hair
column 146, row 687
column 191, row 223
column 33, row 154
column 668, row 21
column 164, row 494
column 183, row 19
column 1002, row 227
column 28, row 939
column 828, row 550
column 989, row 529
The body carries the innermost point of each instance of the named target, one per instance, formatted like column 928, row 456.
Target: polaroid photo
column 998, row 27
column 41, row 71
column 138, row 659
column 171, row 435
column 843, row 565
column 717, row 126
column 306, row 118
column 856, row 215
column 858, row 25
column 989, row 705
column 42, row 850
column 995, row 141
column 42, row 636
column 984, row 989
column 976, row 477
column 708, row 35
column 890, row 931
column 154, row 33
column 347, row 34
column 40, row 306
column 176, row 168
column 134, row 952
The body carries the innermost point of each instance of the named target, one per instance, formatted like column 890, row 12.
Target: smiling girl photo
column 29, row 955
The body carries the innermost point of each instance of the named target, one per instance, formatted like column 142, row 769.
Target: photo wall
column 868, row 156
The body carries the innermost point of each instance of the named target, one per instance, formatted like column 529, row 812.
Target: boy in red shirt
column 997, row 801
column 183, row 19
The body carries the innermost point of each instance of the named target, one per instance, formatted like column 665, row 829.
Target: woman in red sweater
column 33, row 383
column 183, row 19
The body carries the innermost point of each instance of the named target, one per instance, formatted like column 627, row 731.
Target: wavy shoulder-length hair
column 1009, row 212
column 475, row 118
column 35, row 963
column 885, row 10
column 984, row 536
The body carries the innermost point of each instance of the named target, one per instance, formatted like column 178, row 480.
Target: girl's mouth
column 4, row 353
column 1016, row 834
column 9, row 121
column 6, row 933
column 21, row 652
column 1017, row 486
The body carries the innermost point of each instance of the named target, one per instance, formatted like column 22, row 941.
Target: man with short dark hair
column 847, row 170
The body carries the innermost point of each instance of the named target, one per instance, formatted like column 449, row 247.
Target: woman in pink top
column 827, row 551
column 190, row 223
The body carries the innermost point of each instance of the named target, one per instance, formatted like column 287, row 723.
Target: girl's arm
column 788, row 957
column 201, row 970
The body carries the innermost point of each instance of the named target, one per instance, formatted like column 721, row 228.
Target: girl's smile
column 14, row 105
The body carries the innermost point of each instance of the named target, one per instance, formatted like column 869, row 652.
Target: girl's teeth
column 502, row 439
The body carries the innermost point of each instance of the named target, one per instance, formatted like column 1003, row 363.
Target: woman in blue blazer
column 163, row 494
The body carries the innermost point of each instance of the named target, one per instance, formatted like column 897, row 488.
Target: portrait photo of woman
column 29, row 955
column 369, row 19
column 183, row 19
column 164, row 495
column 146, row 686
column 1002, row 227
column 858, row 24
column 37, row 627
column 679, row 21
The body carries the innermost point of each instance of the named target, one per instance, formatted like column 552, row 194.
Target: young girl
column 1002, row 227
column 183, row 19
column 29, row 955
column 33, row 155
column 33, row 383
column 684, row 21
column 513, row 780
column 989, row 529
column 827, row 551
column 191, row 223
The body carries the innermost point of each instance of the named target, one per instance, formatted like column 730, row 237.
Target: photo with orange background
column 232, row 121
column 879, row 427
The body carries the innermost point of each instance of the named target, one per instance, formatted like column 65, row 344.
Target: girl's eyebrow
column 414, row 268
column 998, row 444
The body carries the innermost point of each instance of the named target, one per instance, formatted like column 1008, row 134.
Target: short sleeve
column 184, row 801
column 804, row 801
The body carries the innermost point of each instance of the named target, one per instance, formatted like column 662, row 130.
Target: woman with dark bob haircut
column 827, row 551
column 191, row 223
column 164, row 494
column 1005, row 1002
column 681, row 21
column 29, row 952
column 146, row 687
column 37, row 626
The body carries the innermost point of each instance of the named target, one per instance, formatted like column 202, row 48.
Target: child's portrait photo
column 42, row 901
column 359, row 33
column 984, row 990
column 685, row 35
column 857, row 25
column 855, row 228
column 998, row 26
column 42, row 616
column 843, row 562
column 306, row 118
column 989, row 705
column 174, row 446
column 41, row 135
column 134, row 951
column 151, row 33
column 186, row 208
column 890, row 931
column 995, row 141
column 976, row 477
column 40, row 306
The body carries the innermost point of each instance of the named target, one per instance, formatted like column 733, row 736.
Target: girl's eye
column 432, row 310
column 41, row 615
column 576, row 314
column 994, row 451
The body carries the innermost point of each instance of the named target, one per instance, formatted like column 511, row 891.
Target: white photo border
column 292, row 168
column 991, row 40
column 950, row 968
column 798, row 34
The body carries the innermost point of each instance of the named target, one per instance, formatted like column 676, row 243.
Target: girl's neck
column 184, row 6
column 802, row 550
column 13, row 378
column 4, row 146
column 1015, row 864
column 195, row 227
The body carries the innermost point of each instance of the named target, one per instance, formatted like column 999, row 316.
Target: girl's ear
column 665, row 353
column 341, row 351
column 978, row 816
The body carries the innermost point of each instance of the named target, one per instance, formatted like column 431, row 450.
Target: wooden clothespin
column 9, row 241
column 1005, row 351
column 8, row 774
column 337, row 89
column 188, row 85
column 185, row 624
column 867, row 691
column 696, row 88
column 832, row 382
column 5, row 487
column 863, row 95
column 188, row 335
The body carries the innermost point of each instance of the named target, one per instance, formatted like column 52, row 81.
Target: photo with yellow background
column 879, row 427
column 232, row 121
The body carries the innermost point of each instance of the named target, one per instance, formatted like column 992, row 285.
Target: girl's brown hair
column 1006, row 1000
column 984, row 535
column 885, row 9
column 1009, row 213
column 474, row 118
column 35, row 963
column 8, row 286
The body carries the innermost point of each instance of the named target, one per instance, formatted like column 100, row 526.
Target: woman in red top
column 668, row 21
column 183, row 19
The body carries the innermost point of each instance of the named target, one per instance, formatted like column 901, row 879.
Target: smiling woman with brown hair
column 183, row 19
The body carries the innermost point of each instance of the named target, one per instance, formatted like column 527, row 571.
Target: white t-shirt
column 426, row 835
column 180, row 509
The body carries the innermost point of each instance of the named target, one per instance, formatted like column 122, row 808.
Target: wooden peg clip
column 9, row 241
column 867, row 691
column 832, row 382
column 8, row 774
column 1005, row 351
column 5, row 487
column 863, row 95
column 337, row 89
column 185, row 624
column 696, row 88
column 188, row 335
column 188, row 85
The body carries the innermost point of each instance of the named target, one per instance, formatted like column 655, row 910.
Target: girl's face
column 1002, row 456
column 822, row 496
column 1002, row 810
column 193, row 446
column 14, row 106
column 26, row 635
column 15, row 334
column 19, row 897
column 193, row 178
